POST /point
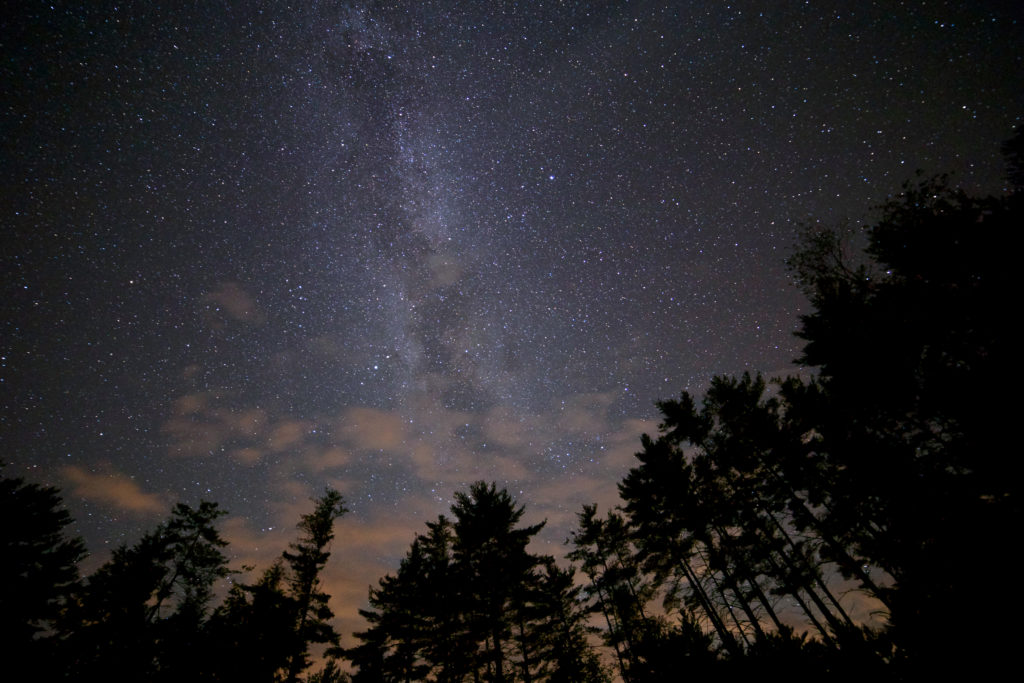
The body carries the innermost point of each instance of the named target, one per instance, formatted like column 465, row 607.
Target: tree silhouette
column 910, row 362
column 565, row 653
column 397, row 645
column 148, row 613
column 621, row 592
column 470, row 602
column 264, row 631
column 714, row 506
column 1013, row 152
column 38, row 573
column 306, row 561
column 141, row 614
column 251, row 633
column 490, row 553
column 888, row 468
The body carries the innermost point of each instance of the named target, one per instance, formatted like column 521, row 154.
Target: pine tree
column 490, row 553
column 142, row 614
column 264, row 631
column 470, row 602
column 565, row 650
column 306, row 561
column 38, row 573
column 910, row 352
column 251, row 634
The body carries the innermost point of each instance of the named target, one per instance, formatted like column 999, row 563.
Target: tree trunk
column 817, row 578
column 843, row 558
column 725, row 600
column 795, row 592
column 752, row 580
column 728, row 641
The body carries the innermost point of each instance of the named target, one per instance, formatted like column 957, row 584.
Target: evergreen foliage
column 148, row 614
column 470, row 603
column 38, row 572
column 885, row 473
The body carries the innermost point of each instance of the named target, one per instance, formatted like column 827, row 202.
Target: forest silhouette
column 836, row 525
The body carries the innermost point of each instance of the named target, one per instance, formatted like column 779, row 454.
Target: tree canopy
column 470, row 602
column 150, row 612
column 758, row 507
column 38, row 571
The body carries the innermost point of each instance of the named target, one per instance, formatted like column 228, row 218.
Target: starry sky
column 254, row 249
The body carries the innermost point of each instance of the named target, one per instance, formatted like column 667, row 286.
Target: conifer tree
column 38, row 573
column 142, row 614
column 306, row 561
column 264, row 631
column 911, row 350
column 470, row 602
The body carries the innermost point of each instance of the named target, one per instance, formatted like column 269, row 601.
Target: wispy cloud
column 371, row 429
column 112, row 488
column 231, row 303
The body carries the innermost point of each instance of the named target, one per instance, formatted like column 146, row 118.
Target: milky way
column 399, row 247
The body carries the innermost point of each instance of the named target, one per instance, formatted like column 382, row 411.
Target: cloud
column 371, row 429
column 507, row 428
column 437, row 451
column 288, row 435
column 398, row 468
column 585, row 413
column 621, row 447
column 200, row 425
column 114, row 489
column 329, row 458
column 248, row 455
column 191, row 404
column 230, row 303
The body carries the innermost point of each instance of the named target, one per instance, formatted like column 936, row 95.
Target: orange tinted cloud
column 371, row 429
column 248, row 455
column 202, row 424
column 199, row 424
column 287, row 435
column 510, row 429
column 114, row 489
column 621, row 447
column 328, row 458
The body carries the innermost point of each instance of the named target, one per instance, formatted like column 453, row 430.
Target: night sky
column 399, row 247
